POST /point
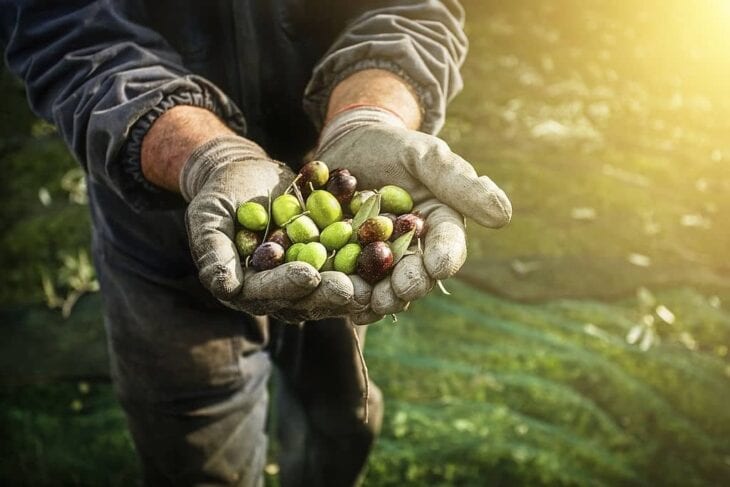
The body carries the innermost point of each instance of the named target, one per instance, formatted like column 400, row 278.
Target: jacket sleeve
column 422, row 41
column 103, row 79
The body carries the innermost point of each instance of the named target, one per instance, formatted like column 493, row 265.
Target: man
column 179, row 111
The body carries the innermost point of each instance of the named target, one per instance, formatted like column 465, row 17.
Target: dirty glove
column 217, row 178
column 378, row 149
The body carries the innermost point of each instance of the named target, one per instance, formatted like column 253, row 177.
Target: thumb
column 455, row 183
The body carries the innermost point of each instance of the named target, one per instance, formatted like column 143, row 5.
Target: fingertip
column 302, row 275
column 337, row 288
column 366, row 317
column 493, row 208
column 444, row 249
column 223, row 281
column 361, row 290
column 384, row 301
column 410, row 279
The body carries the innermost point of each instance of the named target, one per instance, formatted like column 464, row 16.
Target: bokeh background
column 585, row 344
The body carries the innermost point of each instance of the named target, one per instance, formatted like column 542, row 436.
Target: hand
column 377, row 149
column 218, row 177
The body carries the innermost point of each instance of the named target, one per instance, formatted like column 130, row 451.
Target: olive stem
column 365, row 375
column 441, row 286
column 268, row 220
column 306, row 212
column 298, row 193
column 292, row 184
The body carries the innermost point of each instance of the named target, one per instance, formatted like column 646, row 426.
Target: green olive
column 252, row 216
column 346, row 258
column 284, row 208
column 302, row 229
column 358, row 199
column 335, row 236
column 246, row 242
column 314, row 254
column 293, row 252
column 324, row 208
column 395, row 199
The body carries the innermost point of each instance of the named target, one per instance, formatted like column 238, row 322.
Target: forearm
column 172, row 138
column 379, row 88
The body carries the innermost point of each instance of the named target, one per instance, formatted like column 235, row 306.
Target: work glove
column 216, row 179
column 378, row 149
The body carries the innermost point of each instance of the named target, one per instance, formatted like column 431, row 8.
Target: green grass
column 479, row 390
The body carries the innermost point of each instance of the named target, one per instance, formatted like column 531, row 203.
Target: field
column 585, row 344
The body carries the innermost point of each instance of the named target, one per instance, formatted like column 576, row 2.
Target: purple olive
column 378, row 228
column 374, row 262
column 267, row 256
column 342, row 185
column 279, row 236
column 406, row 223
column 315, row 172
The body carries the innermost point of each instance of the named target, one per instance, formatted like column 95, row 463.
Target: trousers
column 192, row 377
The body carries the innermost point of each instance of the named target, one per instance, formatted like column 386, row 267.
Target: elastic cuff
column 212, row 155
column 140, row 193
column 326, row 77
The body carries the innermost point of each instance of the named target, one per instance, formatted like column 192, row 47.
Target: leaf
column 647, row 340
column 400, row 246
column 634, row 334
column 665, row 314
column 369, row 209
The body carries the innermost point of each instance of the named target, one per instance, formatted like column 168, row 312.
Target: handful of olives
column 322, row 219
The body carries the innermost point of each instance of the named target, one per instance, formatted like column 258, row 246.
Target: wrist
column 172, row 138
column 376, row 87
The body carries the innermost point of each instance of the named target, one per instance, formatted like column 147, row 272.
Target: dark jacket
column 102, row 71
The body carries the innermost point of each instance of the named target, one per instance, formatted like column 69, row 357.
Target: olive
column 342, row 185
column 246, row 242
column 302, row 229
column 323, row 208
column 378, row 228
column 314, row 254
column 284, row 208
column 406, row 223
column 267, row 256
column 393, row 217
column 335, row 236
column 252, row 216
column 346, row 258
column 315, row 172
column 395, row 199
column 293, row 252
column 358, row 199
column 374, row 262
column 279, row 236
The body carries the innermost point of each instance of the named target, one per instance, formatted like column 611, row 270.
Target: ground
column 585, row 344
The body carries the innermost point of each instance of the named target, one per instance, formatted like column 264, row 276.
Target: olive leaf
column 329, row 264
column 400, row 246
column 369, row 209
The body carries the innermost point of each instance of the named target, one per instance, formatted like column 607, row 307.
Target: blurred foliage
column 479, row 391
column 607, row 123
column 39, row 222
column 617, row 107
column 488, row 392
